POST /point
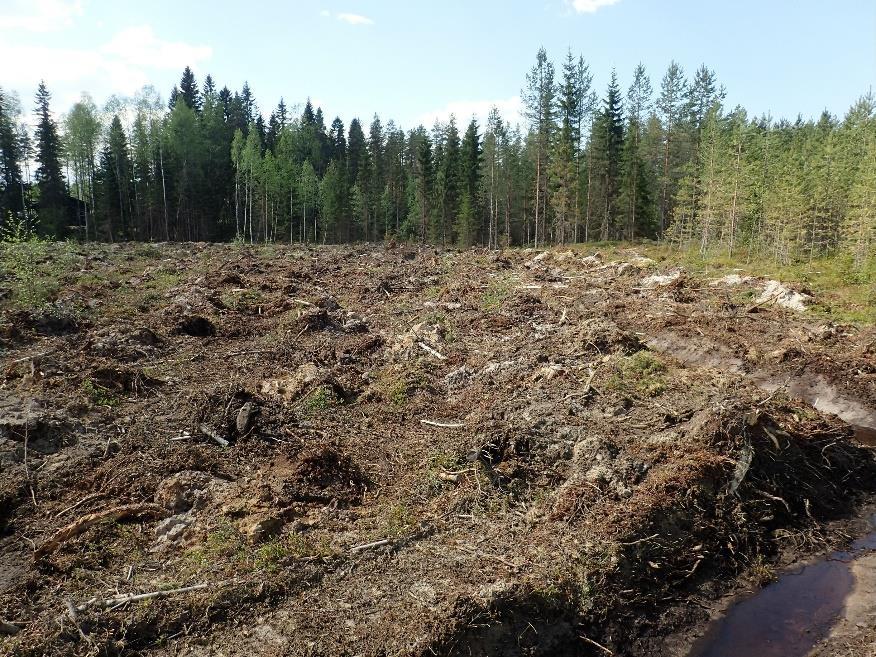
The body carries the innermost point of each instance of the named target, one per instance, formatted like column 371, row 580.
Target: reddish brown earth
column 428, row 452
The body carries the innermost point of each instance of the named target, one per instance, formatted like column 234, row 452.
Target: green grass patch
column 319, row 399
column 98, row 395
column 642, row 374
column 497, row 292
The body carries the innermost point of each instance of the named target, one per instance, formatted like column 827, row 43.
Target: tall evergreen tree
column 447, row 182
column 53, row 205
column 424, row 177
column 608, row 138
column 12, row 194
column 538, row 103
column 635, row 179
column 673, row 91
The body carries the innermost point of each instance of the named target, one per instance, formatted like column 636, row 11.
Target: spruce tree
column 54, row 215
column 424, row 176
column 470, row 153
column 610, row 146
column 448, row 182
column 338, row 142
column 356, row 151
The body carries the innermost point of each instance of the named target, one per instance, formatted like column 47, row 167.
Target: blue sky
column 414, row 61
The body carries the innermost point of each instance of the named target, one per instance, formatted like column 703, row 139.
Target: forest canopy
column 663, row 160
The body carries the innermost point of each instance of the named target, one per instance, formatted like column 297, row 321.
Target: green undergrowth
column 843, row 291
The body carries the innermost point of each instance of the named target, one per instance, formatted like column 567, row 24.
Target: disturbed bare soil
column 393, row 451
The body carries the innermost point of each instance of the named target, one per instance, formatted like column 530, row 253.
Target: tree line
column 672, row 163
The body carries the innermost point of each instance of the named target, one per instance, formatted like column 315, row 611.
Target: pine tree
column 396, row 185
column 858, row 228
column 635, row 179
column 332, row 199
column 54, row 215
column 572, row 107
column 491, row 175
column 308, row 195
column 702, row 95
column 358, row 208
column 538, row 103
column 673, row 91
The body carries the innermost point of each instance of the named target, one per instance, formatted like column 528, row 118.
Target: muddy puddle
column 789, row 617
column 865, row 435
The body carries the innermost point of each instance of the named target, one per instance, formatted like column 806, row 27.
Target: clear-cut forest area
column 594, row 379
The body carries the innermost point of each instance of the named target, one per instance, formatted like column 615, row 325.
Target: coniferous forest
column 663, row 159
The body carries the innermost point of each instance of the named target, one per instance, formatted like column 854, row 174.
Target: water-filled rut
column 791, row 616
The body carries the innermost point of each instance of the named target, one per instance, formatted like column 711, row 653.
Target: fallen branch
column 83, row 523
column 643, row 540
column 455, row 475
column 40, row 355
column 368, row 546
column 207, row 431
column 116, row 600
column 597, row 645
column 432, row 351
column 24, row 458
column 443, row 425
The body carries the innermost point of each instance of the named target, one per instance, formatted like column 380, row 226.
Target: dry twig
column 432, row 351
column 368, row 546
column 443, row 425
column 117, row 600
column 207, row 431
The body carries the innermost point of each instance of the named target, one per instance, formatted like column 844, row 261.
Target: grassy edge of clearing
column 842, row 292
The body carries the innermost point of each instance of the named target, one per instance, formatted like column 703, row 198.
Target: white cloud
column 139, row 46
column 509, row 108
column 590, row 6
column 40, row 15
column 325, row 13
column 354, row 19
column 122, row 65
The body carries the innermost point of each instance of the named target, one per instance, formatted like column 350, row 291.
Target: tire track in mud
column 816, row 390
